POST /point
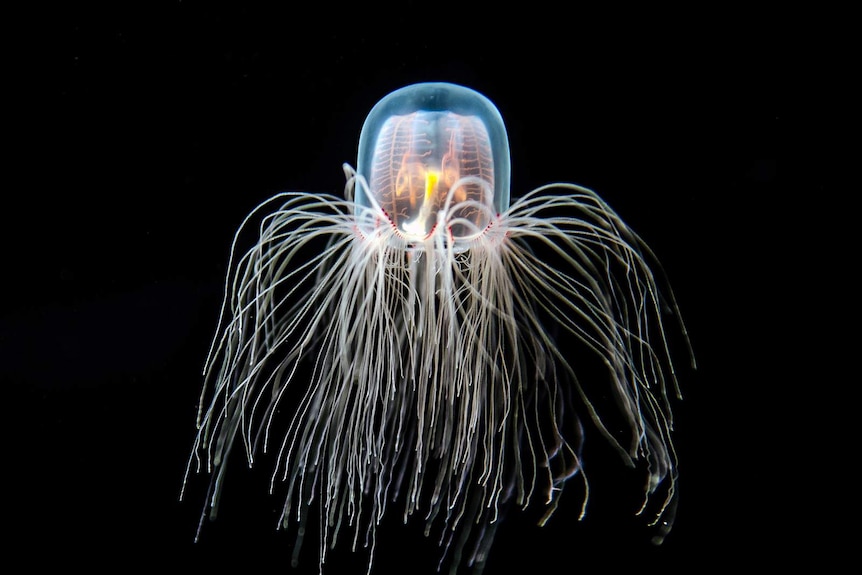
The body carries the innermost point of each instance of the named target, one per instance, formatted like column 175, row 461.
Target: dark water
column 151, row 132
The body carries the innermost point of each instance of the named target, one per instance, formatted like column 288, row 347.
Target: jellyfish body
column 407, row 349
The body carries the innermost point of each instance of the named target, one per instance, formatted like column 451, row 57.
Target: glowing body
column 415, row 323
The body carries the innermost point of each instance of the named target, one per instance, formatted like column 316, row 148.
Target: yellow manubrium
column 417, row 228
column 431, row 179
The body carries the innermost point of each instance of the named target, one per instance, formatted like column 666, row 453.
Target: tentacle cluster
column 388, row 371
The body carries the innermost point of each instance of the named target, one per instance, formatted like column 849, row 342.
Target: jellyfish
column 415, row 348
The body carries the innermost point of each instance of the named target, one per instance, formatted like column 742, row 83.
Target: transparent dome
column 435, row 152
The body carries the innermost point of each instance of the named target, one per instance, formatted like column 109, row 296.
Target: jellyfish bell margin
column 406, row 350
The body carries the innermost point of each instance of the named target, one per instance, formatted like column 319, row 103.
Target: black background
column 145, row 134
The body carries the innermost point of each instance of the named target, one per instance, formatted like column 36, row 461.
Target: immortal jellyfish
column 415, row 348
